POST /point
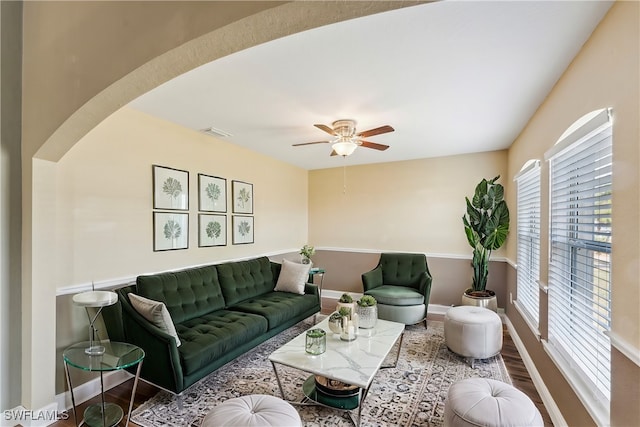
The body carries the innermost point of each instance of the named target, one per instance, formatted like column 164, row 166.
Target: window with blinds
column 580, row 253
column 528, row 233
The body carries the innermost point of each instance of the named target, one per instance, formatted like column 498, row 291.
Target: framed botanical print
column 243, row 229
column 242, row 197
column 212, row 230
column 212, row 193
column 170, row 188
column 170, row 231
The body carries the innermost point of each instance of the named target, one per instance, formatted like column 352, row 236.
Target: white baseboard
column 543, row 391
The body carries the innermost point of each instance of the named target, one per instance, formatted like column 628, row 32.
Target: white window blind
column 580, row 256
column 528, row 233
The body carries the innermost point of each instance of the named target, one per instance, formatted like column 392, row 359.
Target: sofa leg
column 180, row 401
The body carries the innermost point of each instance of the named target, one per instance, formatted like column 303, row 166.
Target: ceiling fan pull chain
column 344, row 177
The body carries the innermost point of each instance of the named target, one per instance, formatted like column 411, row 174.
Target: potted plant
column 346, row 301
column 335, row 319
column 486, row 225
column 307, row 252
column 367, row 310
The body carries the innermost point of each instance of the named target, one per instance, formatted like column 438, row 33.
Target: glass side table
column 319, row 272
column 117, row 356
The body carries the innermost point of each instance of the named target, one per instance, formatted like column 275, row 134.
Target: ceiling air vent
column 216, row 132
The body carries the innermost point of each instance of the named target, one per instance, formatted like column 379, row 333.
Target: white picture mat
column 242, row 197
column 165, row 200
column 243, row 230
column 170, row 231
column 206, row 228
column 207, row 201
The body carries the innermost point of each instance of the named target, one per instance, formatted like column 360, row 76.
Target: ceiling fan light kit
column 347, row 140
column 344, row 148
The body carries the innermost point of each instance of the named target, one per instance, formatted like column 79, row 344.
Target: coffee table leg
column 395, row 363
column 278, row 379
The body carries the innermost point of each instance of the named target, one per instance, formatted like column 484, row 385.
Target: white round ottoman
column 473, row 332
column 252, row 411
column 490, row 403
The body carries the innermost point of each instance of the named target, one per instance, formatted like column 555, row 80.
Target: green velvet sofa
column 219, row 312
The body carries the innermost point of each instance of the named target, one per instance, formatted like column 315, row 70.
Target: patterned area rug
column 411, row 394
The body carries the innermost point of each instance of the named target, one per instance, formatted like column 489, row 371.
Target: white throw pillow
column 155, row 312
column 292, row 277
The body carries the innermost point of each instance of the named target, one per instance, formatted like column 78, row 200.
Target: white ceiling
column 451, row 77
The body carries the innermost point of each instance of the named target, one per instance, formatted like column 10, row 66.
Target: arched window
column 580, row 257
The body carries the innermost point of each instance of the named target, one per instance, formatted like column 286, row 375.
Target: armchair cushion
column 402, row 269
column 396, row 295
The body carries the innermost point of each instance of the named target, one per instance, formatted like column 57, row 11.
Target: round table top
column 95, row 298
column 117, row 355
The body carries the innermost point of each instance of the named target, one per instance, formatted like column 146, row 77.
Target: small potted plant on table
column 306, row 253
column 346, row 301
column 367, row 310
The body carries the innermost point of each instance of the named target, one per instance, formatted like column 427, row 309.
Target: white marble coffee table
column 352, row 362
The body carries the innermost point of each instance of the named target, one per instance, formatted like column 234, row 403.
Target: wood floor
column 519, row 376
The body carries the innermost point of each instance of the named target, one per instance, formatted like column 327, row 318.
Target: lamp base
column 95, row 350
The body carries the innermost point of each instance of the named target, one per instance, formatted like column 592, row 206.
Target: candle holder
column 349, row 329
column 316, row 341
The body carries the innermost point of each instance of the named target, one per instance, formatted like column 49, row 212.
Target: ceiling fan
column 346, row 139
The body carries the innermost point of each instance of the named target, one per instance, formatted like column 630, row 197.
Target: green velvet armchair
column 401, row 283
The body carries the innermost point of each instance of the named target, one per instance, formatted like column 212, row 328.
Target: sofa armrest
column 161, row 364
column 372, row 279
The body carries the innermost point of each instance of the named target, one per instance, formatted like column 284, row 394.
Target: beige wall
column 103, row 207
column 412, row 205
column 409, row 206
column 104, row 198
column 606, row 73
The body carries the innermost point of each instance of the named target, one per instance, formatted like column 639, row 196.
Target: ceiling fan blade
column 309, row 143
column 327, row 129
column 373, row 145
column 333, row 153
column 376, row 131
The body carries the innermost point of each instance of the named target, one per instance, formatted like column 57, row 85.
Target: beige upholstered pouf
column 490, row 403
column 252, row 411
column 473, row 332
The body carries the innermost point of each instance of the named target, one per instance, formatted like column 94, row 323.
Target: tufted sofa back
column 402, row 269
column 187, row 294
column 241, row 280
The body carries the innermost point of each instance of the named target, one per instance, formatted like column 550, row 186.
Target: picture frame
column 212, row 193
column 242, row 197
column 212, row 230
column 170, row 231
column 170, row 188
column 243, row 229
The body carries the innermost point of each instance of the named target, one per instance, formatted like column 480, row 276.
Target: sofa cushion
column 292, row 277
column 396, row 295
column 242, row 280
column 278, row 307
column 213, row 335
column 187, row 294
column 155, row 312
